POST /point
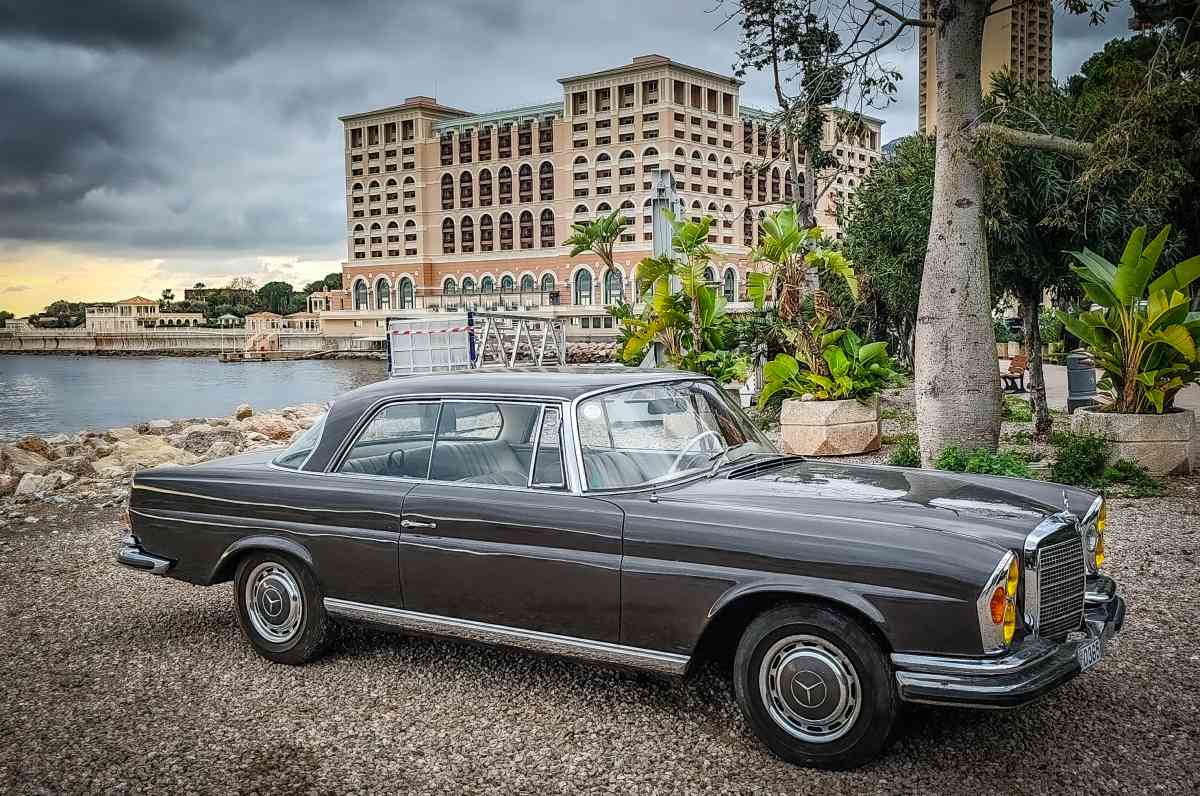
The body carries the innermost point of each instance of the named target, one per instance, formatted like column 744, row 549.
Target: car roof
column 552, row 384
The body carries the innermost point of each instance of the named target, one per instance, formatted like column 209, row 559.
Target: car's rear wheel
column 279, row 608
column 815, row 686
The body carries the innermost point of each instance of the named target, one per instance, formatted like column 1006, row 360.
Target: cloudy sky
column 148, row 144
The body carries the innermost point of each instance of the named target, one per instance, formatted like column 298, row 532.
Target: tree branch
column 1024, row 138
column 903, row 20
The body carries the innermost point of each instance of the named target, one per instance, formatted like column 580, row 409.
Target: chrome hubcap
column 274, row 603
column 810, row 688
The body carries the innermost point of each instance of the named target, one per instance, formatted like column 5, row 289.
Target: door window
column 547, row 461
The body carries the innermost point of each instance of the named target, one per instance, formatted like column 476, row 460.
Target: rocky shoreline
column 94, row 467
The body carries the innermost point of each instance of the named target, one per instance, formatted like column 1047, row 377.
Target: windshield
column 661, row 432
column 297, row 453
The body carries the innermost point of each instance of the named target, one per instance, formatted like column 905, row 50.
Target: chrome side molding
column 667, row 663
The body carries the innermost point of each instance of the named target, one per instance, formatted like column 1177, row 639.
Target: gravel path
column 113, row 681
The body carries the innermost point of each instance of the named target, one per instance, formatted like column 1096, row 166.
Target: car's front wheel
column 815, row 686
column 280, row 609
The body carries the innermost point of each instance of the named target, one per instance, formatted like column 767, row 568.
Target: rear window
column 298, row 452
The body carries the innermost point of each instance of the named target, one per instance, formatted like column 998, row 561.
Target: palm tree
column 654, row 275
column 598, row 236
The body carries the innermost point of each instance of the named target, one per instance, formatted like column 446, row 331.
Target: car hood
column 994, row 509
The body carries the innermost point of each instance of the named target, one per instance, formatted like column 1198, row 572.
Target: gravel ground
column 114, row 681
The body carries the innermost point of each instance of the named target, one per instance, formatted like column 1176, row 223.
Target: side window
column 548, row 462
column 485, row 443
column 396, row 442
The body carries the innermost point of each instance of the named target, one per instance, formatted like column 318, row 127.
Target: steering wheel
column 690, row 443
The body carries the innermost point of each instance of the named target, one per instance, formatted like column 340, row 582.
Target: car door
column 496, row 535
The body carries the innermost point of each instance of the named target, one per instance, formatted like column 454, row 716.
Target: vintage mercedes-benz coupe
column 638, row 518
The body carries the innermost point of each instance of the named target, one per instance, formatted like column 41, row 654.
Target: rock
column 8, row 484
column 30, row 520
column 32, row 485
column 192, row 429
column 111, row 471
column 33, row 444
column 60, row 439
column 202, row 439
column 118, row 434
column 220, row 449
column 271, row 426
column 100, row 446
column 160, row 427
column 148, row 451
column 78, row 466
column 19, row 461
column 59, row 478
column 243, row 411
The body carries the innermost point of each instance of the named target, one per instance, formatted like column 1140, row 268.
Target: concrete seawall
column 162, row 342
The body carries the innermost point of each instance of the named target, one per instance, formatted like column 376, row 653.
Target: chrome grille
column 1060, row 574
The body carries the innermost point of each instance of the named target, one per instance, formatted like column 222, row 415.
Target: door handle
column 415, row 524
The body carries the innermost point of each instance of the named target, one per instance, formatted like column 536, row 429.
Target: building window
column 360, row 295
column 613, row 288
column 583, row 287
column 526, row 230
column 487, row 285
column 383, row 295
column 547, row 228
column 506, row 284
column 547, row 283
column 405, row 293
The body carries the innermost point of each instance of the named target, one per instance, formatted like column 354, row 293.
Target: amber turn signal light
column 997, row 604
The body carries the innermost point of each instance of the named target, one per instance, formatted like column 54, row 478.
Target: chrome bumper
column 132, row 555
column 1028, row 672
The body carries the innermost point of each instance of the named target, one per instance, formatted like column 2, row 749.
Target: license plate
column 1089, row 654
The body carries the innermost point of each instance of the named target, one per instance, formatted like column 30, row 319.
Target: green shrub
column 1017, row 410
column 982, row 461
column 1135, row 478
column 1080, row 459
column 1018, row 438
column 906, row 453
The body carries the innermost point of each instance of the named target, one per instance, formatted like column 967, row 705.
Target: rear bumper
column 132, row 556
column 1028, row 672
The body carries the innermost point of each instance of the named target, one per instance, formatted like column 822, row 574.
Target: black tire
column 817, row 655
column 282, row 585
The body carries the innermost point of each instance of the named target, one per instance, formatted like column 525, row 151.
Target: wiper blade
column 715, row 461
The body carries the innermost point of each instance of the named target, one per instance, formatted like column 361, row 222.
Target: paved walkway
column 1056, row 388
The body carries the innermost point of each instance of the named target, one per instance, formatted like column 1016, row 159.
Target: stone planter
column 1163, row 444
column 829, row 428
column 1014, row 349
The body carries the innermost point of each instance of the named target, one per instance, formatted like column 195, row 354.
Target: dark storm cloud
column 208, row 128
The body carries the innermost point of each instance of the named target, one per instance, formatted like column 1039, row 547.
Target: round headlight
column 1094, row 539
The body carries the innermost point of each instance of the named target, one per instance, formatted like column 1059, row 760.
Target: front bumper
column 132, row 555
column 1028, row 672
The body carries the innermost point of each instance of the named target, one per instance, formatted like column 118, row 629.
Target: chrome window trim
column 331, row 471
column 669, row 663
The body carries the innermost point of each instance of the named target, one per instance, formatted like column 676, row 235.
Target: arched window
column 468, row 235
column 710, row 276
column 410, row 237
column 580, row 210
column 787, row 185
column 697, row 210
column 546, row 181
column 447, row 192
column 465, row 190
column 748, row 184
column 525, row 183
column 374, row 186
column 468, row 285
column 487, row 285
column 775, row 185
column 547, row 228
column 628, row 211
column 602, row 158
column 626, row 155
column 405, row 293
column 650, row 152
column 583, row 287
column 730, row 286
column 359, row 229
column 485, row 233
column 485, row 188
column 450, row 286
column 383, row 295
column 613, row 287
column 357, row 188
column 391, row 184
column 696, row 155
column 547, row 283
column 504, row 185
column 506, row 283
column 527, row 283
column 448, row 236
column 506, row 232
column 712, row 158
column 360, row 296
column 580, row 162
column 679, row 153
column 603, row 207
column 526, row 230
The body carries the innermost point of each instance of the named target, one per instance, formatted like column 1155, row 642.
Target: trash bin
column 1081, row 381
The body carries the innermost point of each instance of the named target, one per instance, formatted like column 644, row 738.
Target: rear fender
column 226, row 564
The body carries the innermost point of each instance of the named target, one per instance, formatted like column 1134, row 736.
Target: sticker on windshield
column 592, row 411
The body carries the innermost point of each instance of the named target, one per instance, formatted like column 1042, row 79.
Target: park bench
column 1014, row 379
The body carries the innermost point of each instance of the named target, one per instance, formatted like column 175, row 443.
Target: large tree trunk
column 957, row 382
column 1030, row 310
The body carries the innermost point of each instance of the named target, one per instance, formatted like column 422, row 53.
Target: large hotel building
column 1019, row 37
column 448, row 209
